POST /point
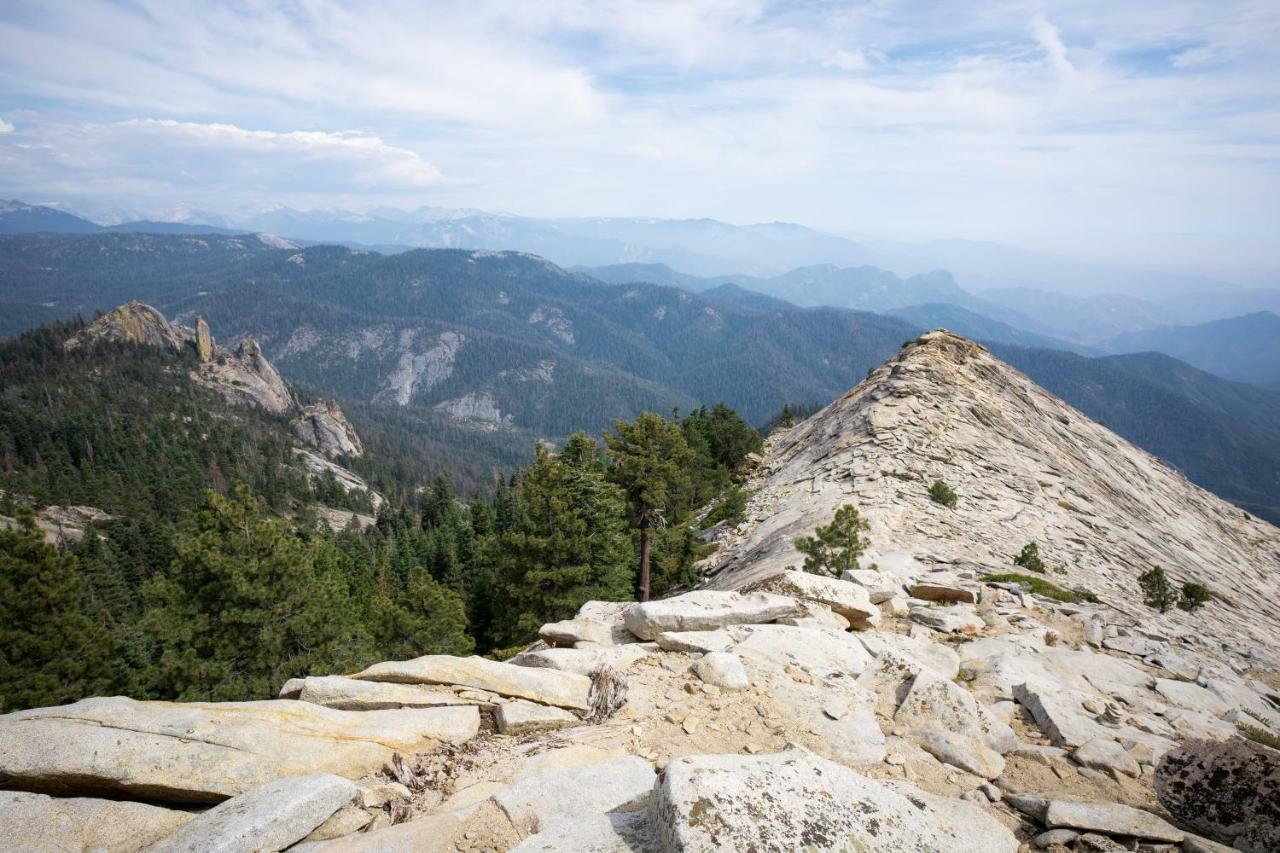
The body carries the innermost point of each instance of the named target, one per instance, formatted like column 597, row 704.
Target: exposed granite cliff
column 1026, row 467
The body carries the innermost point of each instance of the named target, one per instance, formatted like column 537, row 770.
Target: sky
column 1146, row 131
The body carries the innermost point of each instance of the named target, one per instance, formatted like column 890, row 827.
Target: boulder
column 934, row 703
column 1105, row 754
column 612, row 784
column 888, row 677
column 431, row 833
column 206, row 752
column 1110, row 819
column 1106, row 673
column 584, row 661
column 352, row 694
column 956, row 619
column 699, row 642
column 346, row 820
column 40, row 822
column 812, row 649
column 272, row 817
column 572, row 631
column 942, row 588
column 880, row 586
column 960, row 751
column 1059, row 713
column 706, row 610
column 935, row 656
column 519, row 717
column 547, row 686
column 839, row 715
column 1227, row 790
column 618, row 832
column 1193, row 697
column 850, row 600
column 796, row 800
column 723, row 669
column 1062, row 838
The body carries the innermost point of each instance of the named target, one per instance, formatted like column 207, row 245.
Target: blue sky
column 1146, row 130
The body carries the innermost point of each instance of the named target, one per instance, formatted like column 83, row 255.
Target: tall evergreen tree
column 569, row 544
column 245, row 606
column 50, row 651
column 650, row 459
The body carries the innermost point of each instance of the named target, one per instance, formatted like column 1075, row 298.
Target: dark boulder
column 1227, row 790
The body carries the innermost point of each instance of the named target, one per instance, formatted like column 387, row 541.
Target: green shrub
column 731, row 508
column 835, row 547
column 1194, row 596
column 1258, row 734
column 1042, row 587
column 1029, row 558
column 942, row 494
column 1157, row 592
column 1083, row 594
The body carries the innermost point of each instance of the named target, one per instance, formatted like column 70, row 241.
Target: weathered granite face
column 327, row 429
column 245, row 376
column 134, row 322
column 1027, row 467
column 1227, row 790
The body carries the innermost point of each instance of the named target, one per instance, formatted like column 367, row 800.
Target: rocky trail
column 913, row 706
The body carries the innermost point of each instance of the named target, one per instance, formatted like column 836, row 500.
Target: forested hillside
column 214, row 574
column 1225, row 436
column 469, row 357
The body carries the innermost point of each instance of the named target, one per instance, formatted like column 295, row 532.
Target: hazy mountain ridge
column 508, row 340
column 1245, row 349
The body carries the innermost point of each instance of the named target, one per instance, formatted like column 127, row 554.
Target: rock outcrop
column 246, row 377
column 206, row 752
column 799, row 801
column 326, row 428
column 133, row 322
column 1026, row 467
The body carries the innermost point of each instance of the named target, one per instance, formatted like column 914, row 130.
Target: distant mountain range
column 506, row 341
column 1246, row 348
column 1024, row 315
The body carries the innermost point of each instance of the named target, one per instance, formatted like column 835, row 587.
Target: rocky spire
column 204, row 340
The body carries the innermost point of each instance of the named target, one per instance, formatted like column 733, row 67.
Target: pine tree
column 50, row 651
column 427, row 619
column 244, row 607
column 651, row 460
column 569, row 544
column 835, row 548
column 1157, row 591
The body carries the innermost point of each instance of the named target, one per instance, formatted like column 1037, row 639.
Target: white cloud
column 1195, row 57
column 1050, row 41
column 5, row 127
column 155, row 159
column 218, row 152
column 848, row 60
column 987, row 120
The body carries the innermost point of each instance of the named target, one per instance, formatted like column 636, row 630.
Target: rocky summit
column 922, row 700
